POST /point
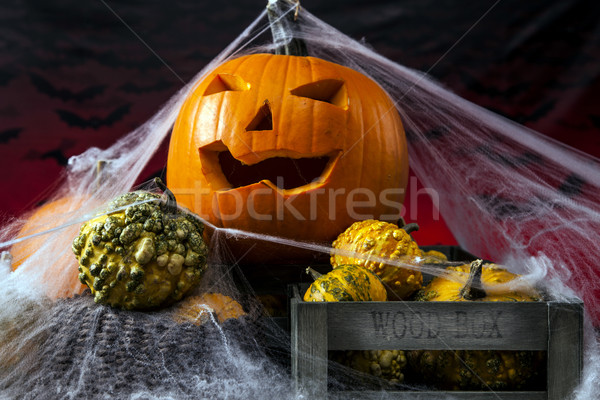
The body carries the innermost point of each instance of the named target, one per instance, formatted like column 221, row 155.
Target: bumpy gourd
column 477, row 369
column 143, row 253
column 385, row 364
column 372, row 238
column 192, row 308
column 345, row 283
column 466, row 283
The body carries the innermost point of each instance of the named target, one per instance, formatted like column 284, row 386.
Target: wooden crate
column 554, row 327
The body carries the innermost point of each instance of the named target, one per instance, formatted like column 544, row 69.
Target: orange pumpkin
column 288, row 146
column 195, row 309
column 60, row 276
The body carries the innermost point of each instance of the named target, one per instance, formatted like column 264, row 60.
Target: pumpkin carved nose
column 263, row 121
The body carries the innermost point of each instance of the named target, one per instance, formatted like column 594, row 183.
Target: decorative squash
column 61, row 274
column 279, row 145
column 369, row 239
column 273, row 305
column 466, row 285
column 385, row 364
column 345, row 283
column 143, row 253
column 193, row 308
column 354, row 283
column 434, row 257
column 477, row 369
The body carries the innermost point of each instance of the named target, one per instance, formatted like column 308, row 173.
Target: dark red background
column 73, row 75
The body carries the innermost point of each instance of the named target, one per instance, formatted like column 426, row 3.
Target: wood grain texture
column 309, row 348
column 437, row 326
column 565, row 348
column 554, row 327
column 430, row 395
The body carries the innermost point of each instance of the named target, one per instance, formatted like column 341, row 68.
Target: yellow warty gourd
column 144, row 253
column 371, row 239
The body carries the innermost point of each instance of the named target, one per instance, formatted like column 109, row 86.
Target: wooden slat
column 437, row 326
column 392, row 395
column 309, row 348
column 565, row 348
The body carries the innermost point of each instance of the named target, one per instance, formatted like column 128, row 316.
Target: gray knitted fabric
column 92, row 351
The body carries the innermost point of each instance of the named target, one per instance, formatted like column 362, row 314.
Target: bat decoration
column 112, row 59
column 541, row 111
column 9, row 134
column 431, row 134
column 493, row 91
column 139, row 89
column 95, row 122
column 46, row 87
column 502, row 207
column 572, row 185
column 521, row 160
column 595, row 120
column 56, row 154
column 5, row 77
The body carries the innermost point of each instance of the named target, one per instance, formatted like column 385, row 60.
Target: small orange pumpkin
column 288, row 146
column 195, row 309
column 61, row 275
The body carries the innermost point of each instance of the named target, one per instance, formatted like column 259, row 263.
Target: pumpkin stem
column 314, row 274
column 284, row 25
column 472, row 289
column 170, row 204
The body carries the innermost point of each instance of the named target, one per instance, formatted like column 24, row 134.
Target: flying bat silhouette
column 57, row 154
column 95, row 122
column 5, row 77
column 572, row 185
column 134, row 88
column 8, row 134
column 541, row 111
column 114, row 60
column 46, row 87
column 493, row 91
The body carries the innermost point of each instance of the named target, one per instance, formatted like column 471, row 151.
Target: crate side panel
column 437, row 326
column 565, row 349
column 309, row 347
column 366, row 395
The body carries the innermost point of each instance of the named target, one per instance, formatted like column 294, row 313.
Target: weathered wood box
column 553, row 327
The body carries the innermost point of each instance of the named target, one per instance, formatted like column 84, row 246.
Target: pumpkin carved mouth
column 285, row 173
column 282, row 173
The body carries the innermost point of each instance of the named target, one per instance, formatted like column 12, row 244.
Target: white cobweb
column 508, row 194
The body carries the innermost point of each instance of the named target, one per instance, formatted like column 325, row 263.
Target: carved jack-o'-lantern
column 290, row 146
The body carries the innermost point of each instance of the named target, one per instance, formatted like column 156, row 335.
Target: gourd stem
column 284, row 22
column 472, row 289
column 410, row 228
column 99, row 173
column 170, row 204
column 314, row 274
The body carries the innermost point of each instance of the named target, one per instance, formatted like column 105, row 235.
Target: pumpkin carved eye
column 226, row 82
column 332, row 91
